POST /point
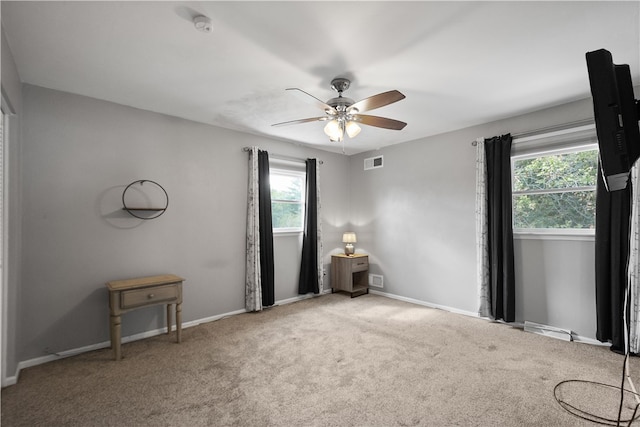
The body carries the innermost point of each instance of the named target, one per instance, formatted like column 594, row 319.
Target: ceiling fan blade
column 380, row 122
column 319, row 103
column 293, row 122
column 377, row 101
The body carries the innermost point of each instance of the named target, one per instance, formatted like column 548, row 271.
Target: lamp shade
column 349, row 237
column 352, row 129
column 333, row 130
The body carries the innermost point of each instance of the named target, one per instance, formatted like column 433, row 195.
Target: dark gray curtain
column 613, row 213
column 266, row 231
column 309, row 266
column 500, row 228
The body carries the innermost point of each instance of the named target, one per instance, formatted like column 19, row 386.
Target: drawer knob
column 150, row 296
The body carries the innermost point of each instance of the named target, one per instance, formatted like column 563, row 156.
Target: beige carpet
column 326, row 361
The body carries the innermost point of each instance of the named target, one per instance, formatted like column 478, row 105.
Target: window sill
column 287, row 233
column 555, row 234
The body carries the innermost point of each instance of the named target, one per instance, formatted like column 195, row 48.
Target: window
column 287, row 200
column 555, row 190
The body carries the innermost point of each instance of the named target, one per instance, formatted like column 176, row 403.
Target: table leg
column 169, row 321
column 179, row 322
column 115, row 323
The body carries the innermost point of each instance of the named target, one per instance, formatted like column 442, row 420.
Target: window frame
column 280, row 169
column 552, row 233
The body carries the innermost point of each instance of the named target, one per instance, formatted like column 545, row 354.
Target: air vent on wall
column 376, row 280
column 373, row 163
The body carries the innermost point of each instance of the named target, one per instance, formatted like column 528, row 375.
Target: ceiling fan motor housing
column 340, row 84
column 341, row 103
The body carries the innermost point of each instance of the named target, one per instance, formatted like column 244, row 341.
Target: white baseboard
column 7, row 381
column 302, row 297
column 519, row 325
column 207, row 319
column 142, row 335
column 424, row 303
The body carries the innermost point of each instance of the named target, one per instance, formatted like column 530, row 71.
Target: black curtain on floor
column 266, row 231
column 309, row 266
column 613, row 213
column 501, row 265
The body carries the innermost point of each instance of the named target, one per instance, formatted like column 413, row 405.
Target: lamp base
column 348, row 249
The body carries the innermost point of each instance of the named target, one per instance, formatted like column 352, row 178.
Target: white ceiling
column 458, row 63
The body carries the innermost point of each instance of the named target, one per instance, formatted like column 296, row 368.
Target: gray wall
column 12, row 94
column 79, row 154
column 415, row 217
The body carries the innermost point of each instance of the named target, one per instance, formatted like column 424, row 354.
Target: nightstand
column 350, row 273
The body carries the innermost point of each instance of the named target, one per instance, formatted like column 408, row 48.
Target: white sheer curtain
column 482, row 237
column 253, row 286
column 634, row 264
column 319, row 233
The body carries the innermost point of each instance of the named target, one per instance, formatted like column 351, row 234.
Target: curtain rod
column 549, row 129
column 282, row 157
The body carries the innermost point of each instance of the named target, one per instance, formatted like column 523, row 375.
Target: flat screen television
column 616, row 113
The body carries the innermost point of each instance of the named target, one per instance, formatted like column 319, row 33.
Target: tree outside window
column 287, row 200
column 555, row 190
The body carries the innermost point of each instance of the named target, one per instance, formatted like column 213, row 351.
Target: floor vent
column 376, row 281
column 548, row 331
column 373, row 162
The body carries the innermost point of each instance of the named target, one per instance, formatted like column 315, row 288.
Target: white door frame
column 5, row 112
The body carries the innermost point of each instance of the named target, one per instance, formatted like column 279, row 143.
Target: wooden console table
column 127, row 295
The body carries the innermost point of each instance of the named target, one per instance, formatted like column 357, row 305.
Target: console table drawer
column 148, row 296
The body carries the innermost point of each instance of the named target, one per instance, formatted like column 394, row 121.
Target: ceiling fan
column 343, row 114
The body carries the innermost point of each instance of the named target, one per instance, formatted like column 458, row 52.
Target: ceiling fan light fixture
column 352, row 129
column 333, row 130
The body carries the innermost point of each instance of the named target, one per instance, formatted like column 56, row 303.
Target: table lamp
column 349, row 238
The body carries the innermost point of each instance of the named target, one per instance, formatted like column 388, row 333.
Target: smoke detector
column 202, row 23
